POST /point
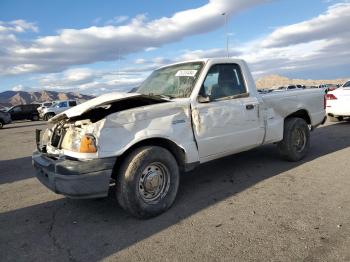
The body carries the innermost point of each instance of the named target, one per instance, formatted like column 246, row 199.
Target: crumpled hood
column 84, row 107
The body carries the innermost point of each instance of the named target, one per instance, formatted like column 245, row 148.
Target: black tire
column 48, row 116
column 1, row 124
column 335, row 119
column 131, row 189
column 296, row 139
column 35, row 117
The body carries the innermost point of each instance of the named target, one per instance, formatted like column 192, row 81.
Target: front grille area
column 57, row 136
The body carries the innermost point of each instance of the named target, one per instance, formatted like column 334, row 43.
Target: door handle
column 249, row 107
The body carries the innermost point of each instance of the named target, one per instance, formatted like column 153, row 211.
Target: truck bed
column 286, row 101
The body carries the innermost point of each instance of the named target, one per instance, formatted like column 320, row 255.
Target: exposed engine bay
column 77, row 134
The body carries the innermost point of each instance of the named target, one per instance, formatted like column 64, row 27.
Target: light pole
column 226, row 32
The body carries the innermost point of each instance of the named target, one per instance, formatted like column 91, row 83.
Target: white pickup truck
column 181, row 116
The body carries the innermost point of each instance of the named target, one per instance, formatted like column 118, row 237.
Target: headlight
column 75, row 141
column 88, row 144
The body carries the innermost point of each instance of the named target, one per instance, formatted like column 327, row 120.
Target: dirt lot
column 247, row 207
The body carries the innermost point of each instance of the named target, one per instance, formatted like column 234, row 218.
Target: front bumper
column 7, row 119
column 74, row 178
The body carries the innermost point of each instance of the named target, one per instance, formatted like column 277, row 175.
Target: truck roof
column 205, row 60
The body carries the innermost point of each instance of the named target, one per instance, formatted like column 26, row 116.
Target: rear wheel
column 296, row 139
column 35, row 118
column 1, row 124
column 335, row 119
column 148, row 181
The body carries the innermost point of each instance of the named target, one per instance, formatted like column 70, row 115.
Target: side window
column 210, row 80
column 72, row 103
column 63, row 104
column 223, row 80
column 17, row 109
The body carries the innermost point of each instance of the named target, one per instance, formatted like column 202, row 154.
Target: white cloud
column 316, row 45
column 18, row 88
column 17, row 26
column 91, row 81
column 83, row 46
column 149, row 49
column 215, row 52
column 292, row 48
column 334, row 22
column 69, row 78
column 140, row 61
column 117, row 20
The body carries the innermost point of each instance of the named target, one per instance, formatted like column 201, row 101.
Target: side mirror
column 203, row 99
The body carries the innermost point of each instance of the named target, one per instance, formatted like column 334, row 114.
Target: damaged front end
column 69, row 138
column 58, row 169
column 67, row 159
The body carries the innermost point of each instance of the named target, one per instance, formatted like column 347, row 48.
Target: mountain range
column 275, row 81
column 11, row 98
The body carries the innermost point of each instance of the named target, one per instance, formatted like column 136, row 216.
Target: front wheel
column 148, row 181
column 1, row 124
column 296, row 139
column 48, row 116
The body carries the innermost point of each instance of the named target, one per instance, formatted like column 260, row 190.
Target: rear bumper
column 338, row 107
column 334, row 111
column 74, row 178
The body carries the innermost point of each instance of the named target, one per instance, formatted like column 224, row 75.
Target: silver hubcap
column 154, row 182
column 299, row 139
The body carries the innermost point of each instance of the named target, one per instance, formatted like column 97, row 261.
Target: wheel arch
column 177, row 151
column 48, row 113
column 301, row 113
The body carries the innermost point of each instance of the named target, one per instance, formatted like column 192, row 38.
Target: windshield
column 175, row 81
column 347, row 84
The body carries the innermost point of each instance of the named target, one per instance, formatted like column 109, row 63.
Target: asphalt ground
column 252, row 206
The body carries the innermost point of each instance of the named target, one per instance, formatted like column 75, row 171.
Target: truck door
column 225, row 117
column 17, row 113
column 27, row 111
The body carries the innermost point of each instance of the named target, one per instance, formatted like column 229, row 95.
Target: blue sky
column 101, row 46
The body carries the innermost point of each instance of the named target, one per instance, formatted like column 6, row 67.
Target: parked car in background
column 332, row 87
column 5, row 118
column 59, row 107
column 328, row 87
column 24, row 112
column 45, row 105
column 288, row 88
column 338, row 103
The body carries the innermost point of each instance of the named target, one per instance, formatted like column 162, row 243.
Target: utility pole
column 226, row 33
column 118, row 65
